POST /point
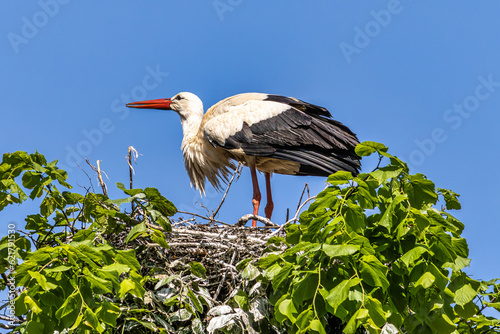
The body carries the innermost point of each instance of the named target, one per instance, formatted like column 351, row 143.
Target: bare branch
column 237, row 173
column 204, row 217
column 243, row 220
column 99, row 175
column 295, row 218
column 132, row 152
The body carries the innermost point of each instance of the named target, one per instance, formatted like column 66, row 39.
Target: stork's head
column 185, row 104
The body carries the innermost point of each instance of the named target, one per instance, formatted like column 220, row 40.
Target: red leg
column 270, row 205
column 256, row 193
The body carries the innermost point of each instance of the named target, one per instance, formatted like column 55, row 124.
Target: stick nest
column 218, row 248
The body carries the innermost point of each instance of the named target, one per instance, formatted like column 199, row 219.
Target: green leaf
column 198, row 269
column 159, row 202
column 159, row 237
column 441, row 280
column 128, row 257
column 354, row 217
column 339, row 250
column 268, row 260
column 125, row 286
column 355, row 319
column 441, row 323
column 34, row 327
column 421, row 191
column 97, row 284
column 58, row 269
column 136, row 231
column 31, row 179
column 116, row 267
column 108, row 313
column 250, row 272
column 241, row 298
column 130, row 192
column 293, row 233
column 426, row 280
column 469, row 309
column 459, row 263
column 287, row 308
column 453, row 222
column 317, row 326
column 442, row 248
column 194, row 300
column 385, row 173
column 304, row 319
column 318, row 223
column 388, row 215
column 376, row 311
column 281, row 276
column 450, row 198
column 48, row 206
column 340, row 177
column 20, row 306
column 373, row 272
column 304, row 288
column 42, row 281
column 413, row 255
column 368, row 147
column 243, row 263
column 465, row 294
column 70, row 305
column 32, row 305
column 340, row 292
column 90, row 319
column 121, row 201
column 164, row 223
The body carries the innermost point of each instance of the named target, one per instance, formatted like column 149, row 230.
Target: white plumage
column 269, row 133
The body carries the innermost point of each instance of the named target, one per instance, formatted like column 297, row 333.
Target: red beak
column 151, row 104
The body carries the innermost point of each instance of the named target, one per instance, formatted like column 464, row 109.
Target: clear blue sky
column 421, row 77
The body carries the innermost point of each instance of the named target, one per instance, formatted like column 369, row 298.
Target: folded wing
column 285, row 128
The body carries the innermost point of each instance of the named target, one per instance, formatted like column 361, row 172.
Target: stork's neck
column 191, row 125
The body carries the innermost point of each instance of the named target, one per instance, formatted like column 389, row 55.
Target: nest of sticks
column 216, row 245
column 219, row 248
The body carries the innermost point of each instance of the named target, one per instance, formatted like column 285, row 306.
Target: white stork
column 269, row 133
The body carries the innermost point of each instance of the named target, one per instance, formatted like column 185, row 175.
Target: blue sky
column 421, row 77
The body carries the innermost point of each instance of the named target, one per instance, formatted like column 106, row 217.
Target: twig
column 2, row 317
column 237, row 171
column 295, row 218
column 132, row 152
column 215, row 235
column 203, row 217
column 306, row 186
column 198, row 244
column 184, row 221
column 243, row 220
column 103, row 185
column 90, row 179
column 99, row 176
column 224, row 275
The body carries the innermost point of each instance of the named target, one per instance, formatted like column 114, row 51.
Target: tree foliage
column 374, row 253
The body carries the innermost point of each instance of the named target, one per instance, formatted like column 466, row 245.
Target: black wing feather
column 304, row 133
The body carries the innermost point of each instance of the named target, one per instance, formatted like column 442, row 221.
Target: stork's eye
column 179, row 97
